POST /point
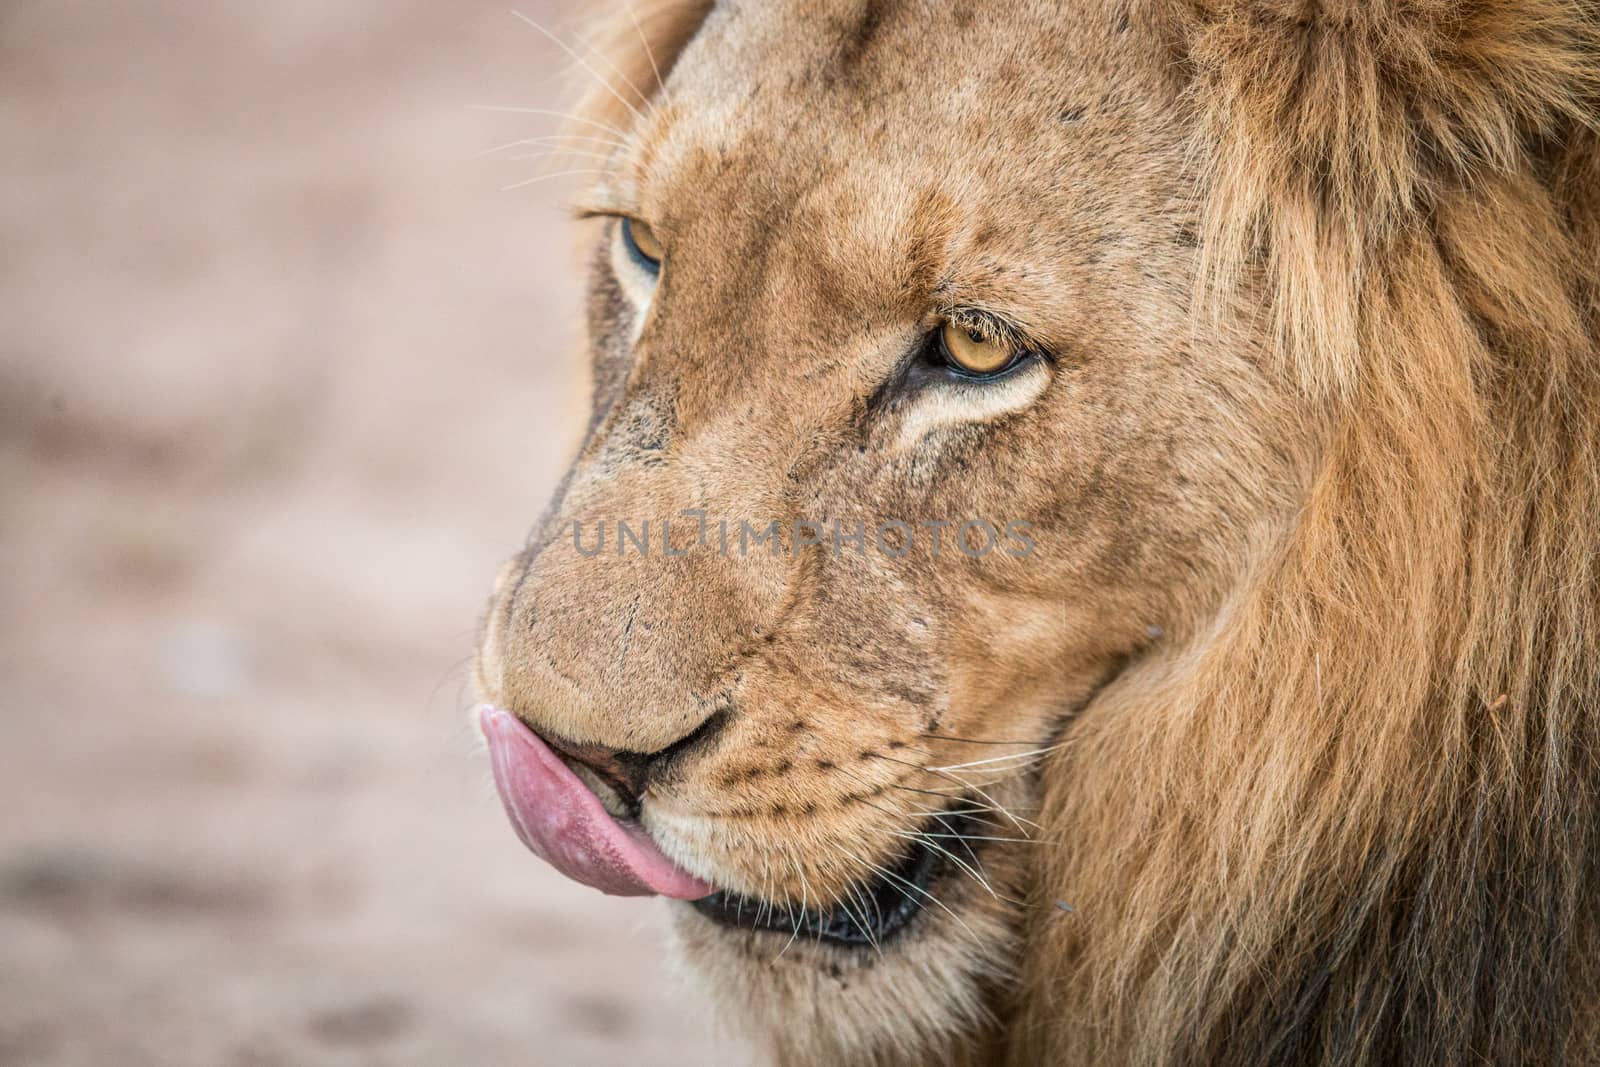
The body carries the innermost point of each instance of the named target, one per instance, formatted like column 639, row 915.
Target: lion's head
column 1084, row 544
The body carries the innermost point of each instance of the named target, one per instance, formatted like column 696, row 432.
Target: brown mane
column 1358, row 823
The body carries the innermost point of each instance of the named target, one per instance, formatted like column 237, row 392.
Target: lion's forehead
column 827, row 121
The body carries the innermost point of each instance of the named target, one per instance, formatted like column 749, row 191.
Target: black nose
column 629, row 773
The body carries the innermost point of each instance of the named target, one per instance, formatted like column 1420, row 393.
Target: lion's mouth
column 873, row 910
column 560, row 818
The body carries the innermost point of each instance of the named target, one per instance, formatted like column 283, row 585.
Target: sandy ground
column 284, row 373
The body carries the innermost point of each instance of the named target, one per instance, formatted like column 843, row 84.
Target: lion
column 1246, row 356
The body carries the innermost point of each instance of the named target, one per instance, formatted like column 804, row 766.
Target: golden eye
column 643, row 244
column 970, row 351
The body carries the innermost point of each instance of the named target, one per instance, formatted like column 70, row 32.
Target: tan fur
column 1315, row 611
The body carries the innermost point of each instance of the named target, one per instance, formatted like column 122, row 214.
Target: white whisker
column 972, row 837
column 973, row 787
column 977, row 875
column 976, row 741
column 975, row 810
column 1009, row 758
column 865, row 927
column 964, row 794
column 912, row 885
column 644, row 97
column 552, row 139
column 649, row 52
column 565, row 116
column 624, row 101
column 551, row 177
column 559, row 153
column 805, row 898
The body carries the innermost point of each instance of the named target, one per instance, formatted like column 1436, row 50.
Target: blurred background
column 286, row 370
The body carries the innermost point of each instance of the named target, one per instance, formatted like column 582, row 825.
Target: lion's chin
column 908, row 970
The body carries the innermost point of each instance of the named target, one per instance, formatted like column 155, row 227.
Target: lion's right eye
column 643, row 246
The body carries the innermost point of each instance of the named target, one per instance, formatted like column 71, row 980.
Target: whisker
column 973, row 787
column 957, row 860
column 928, row 792
column 968, row 785
column 912, row 885
column 959, row 793
column 565, row 116
column 644, row 97
column 853, row 888
column 552, row 177
column 1003, row 764
column 552, row 139
column 606, row 84
column 445, row 675
column 976, row 741
column 557, row 153
column 950, row 793
column 976, row 812
column 1000, row 774
column 1006, row 759
column 649, row 52
column 972, row 837
column 970, row 807
column 986, row 820
column 805, row 897
column 887, row 811
column 860, row 896
column 975, row 809
column 929, row 839
column 766, row 891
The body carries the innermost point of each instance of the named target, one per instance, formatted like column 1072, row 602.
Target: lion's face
column 849, row 732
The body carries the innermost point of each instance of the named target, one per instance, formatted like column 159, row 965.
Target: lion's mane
column 1358, row 822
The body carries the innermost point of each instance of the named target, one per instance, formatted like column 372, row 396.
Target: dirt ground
column 285, row 371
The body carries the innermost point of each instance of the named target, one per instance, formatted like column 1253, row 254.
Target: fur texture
column 1313, row 633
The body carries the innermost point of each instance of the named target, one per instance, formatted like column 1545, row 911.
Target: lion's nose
column 629, row 773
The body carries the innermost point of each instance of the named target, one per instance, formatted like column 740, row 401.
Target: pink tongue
column 563, row 822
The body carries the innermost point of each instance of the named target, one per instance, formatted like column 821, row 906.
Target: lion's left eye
column 970, row 352
column 643, row 246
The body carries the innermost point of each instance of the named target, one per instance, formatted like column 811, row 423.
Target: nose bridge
column 693, row 389
column 628, row 626
column 710, row 416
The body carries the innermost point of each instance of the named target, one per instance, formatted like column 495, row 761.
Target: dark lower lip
column 875, row 910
